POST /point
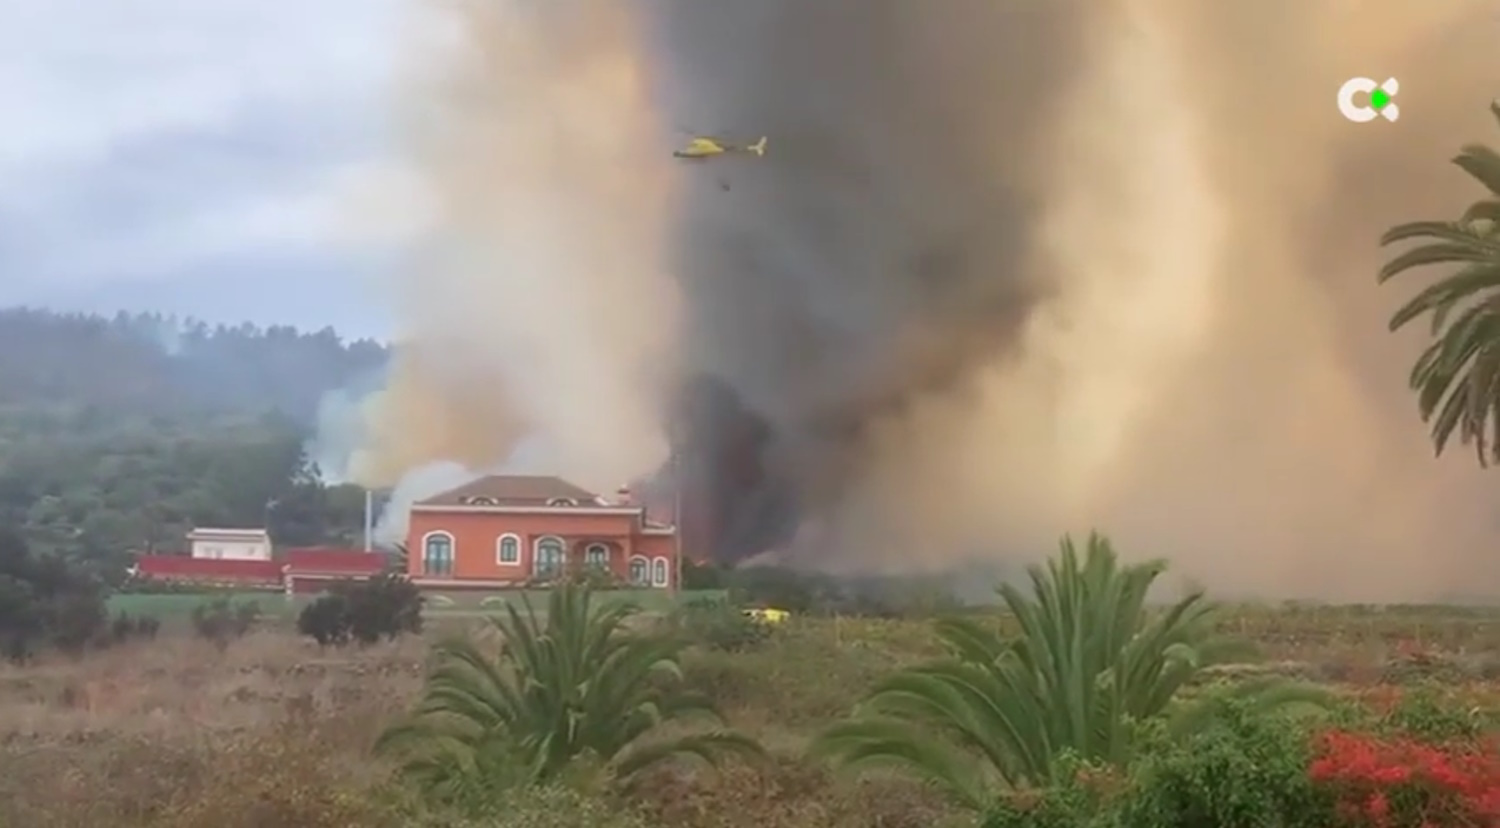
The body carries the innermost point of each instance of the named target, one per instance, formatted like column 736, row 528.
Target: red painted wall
column 182, row 567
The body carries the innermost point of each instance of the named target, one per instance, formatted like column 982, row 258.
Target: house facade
column 230, row 544
column 506, row 530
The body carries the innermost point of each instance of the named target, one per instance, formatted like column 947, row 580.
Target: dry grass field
column 273, row 733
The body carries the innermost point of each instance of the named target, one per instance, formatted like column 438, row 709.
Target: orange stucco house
column 505, row 530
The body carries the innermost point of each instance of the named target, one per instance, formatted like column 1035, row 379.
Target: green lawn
column 482, row 603
column 466, row 603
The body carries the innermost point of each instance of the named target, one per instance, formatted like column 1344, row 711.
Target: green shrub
column 779, row 587
column 595, row 578
column 1425, row 713
column 222, row 620
column 1081, row 799
column 146, row 585
column 326, row 620
column 697, row 576
column 45, row 602
column 1244, row 771
column 384, row 606
column 720, row 626
column 77, row 619
column 126, row 626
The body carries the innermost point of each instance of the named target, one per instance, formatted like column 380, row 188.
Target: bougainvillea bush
column 1368, row 772
column 1395, row 782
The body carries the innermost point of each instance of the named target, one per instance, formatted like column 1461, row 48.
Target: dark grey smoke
column 735, row 507
column 875, row 253
column 1203, row 368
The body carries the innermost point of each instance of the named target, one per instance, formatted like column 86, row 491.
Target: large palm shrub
column 1090, row 664
column 572, row 690
column 1457, row 378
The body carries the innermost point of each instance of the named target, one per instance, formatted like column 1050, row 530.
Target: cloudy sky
column 197, row 156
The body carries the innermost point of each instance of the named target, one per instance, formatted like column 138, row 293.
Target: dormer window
column 481, row 500
column 562, row 501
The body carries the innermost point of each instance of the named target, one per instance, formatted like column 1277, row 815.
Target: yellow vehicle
column 700, row 148
column 766, row 615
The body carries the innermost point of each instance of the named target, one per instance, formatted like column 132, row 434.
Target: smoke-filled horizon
column 1007, row 270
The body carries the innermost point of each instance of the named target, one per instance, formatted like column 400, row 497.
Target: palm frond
column 709, row 748
column 1092, row 658
column 880, row 742
column 567, row 688
column 1457, row 378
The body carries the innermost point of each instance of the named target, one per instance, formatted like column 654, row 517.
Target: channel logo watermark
column 1362, row 100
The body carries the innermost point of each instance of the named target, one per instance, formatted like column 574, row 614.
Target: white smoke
column 532, row 456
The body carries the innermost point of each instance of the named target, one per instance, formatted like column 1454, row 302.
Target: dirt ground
column 274, row 733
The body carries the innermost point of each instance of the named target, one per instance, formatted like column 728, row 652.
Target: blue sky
column 197, row 156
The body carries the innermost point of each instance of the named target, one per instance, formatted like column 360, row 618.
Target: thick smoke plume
column 543, row 300
column 1008, row 269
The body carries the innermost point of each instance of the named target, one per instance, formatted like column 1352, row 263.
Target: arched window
column 508, row 550
column 562, row 501
column 659, row 572
column 640, row 574
column 596, row 556
column 437, row 554
column 550, row 557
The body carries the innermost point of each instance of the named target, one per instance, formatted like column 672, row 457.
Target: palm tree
column 1091, row 662
column 571, row 688
column 398, row 558
column 1457, row 379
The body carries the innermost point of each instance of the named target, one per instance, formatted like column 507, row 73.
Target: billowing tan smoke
column 1010, row 269
column 1289, row 455
column 1132, row 236
column 431, row 408
column 544, row 302
column 1276, row 450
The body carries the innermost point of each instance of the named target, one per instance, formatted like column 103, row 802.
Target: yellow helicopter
column 700, row 148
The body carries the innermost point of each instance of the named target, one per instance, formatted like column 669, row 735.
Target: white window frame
column 588, row 556
column 645, row 580
column 500, row 547
column 452, row 552
column 661, row 572
column 536, row 557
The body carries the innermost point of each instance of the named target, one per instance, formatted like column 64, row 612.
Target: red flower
column 1395, row 782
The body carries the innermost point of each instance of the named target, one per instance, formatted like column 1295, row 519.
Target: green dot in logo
column 1379, row 99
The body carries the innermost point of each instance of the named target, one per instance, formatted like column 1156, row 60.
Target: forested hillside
column 117, row 434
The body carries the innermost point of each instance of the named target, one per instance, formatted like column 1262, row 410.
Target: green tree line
column 118, row 434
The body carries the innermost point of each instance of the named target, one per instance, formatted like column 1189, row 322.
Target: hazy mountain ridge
column 149, row 364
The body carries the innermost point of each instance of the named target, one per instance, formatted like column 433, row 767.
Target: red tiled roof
column 334, row 560
column 182, row 566
column 512, row 490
